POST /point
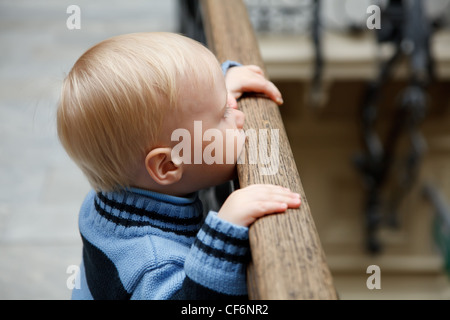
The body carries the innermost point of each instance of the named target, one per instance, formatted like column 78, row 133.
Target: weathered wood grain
column 288, row 261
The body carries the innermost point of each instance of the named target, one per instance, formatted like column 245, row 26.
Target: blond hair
column 114, row 100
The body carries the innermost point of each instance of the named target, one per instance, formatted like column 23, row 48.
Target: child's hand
column 246, row 205
column 249, row 78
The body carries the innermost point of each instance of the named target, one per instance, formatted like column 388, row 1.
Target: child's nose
column 239, row 117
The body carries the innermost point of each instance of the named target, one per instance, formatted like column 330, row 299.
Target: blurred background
column 366, row 111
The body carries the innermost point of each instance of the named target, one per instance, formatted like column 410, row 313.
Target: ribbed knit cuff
column 219, row 256
column 229, row 64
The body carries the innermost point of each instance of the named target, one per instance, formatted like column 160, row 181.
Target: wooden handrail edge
column 288, row 261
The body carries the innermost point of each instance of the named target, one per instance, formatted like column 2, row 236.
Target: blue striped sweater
column 139, row 244
column 144, row 245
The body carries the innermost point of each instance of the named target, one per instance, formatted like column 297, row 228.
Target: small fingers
column 285, row 198
column 262, row 85
column 269, row 207
column 255, row 69
column 267, row 87
column 276, row 197
column 273, row 93
column 248, row 204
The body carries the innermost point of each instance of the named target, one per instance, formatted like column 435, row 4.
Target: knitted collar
column 137, row 211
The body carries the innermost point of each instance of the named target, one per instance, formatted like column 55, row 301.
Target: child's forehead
column 203, row 80
column 197, row 94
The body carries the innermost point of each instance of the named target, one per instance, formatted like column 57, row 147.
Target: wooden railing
column 288, row 261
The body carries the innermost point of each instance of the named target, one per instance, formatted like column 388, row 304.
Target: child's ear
column 161, row 167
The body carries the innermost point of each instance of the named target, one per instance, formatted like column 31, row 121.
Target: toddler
column 142, row 228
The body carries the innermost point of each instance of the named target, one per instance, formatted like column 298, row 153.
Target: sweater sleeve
column 229, row 64
column 216, row 265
